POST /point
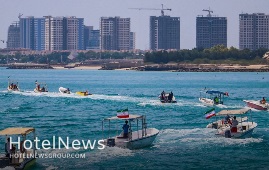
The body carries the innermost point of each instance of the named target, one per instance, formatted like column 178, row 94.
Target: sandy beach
column 79, row 68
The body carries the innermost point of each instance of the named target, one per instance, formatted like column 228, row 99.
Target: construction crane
column 209, row 12
column 20, row 15
column 162, row 10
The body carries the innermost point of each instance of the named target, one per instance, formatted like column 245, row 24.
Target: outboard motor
column 111, row 142
column 228, row 134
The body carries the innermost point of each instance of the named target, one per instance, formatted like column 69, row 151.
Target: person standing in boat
column 125, row 128
column 234, row 125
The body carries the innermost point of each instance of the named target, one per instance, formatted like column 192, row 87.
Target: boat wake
column 199, row 136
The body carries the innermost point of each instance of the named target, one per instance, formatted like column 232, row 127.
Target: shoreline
column 172, row 67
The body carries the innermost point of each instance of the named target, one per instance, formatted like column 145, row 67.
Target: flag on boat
column 123, row 113
column 210, row 113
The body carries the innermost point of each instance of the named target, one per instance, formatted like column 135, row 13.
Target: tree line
column 216, row 54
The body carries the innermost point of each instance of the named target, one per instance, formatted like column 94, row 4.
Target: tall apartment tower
column 253, row 31
column 114, row 33
column 27, row 33
column 64, row 33
column 164, row 32
column 94, row 40
column 211, row 31
column 32, row 33
column 87, row 30
column 13, row 36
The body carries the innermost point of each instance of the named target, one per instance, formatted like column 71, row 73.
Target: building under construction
column 13, row 38
column 211, row 30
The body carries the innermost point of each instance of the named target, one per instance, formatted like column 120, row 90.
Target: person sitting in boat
column 163, row 95
column 43, row 89
column 15, row 87
column 263, row 101
column 234, row 125
column 86, row 92
column 9, row 149
column 11, row 86
column 170, row 97
column 227, row 119
column 216, row 100
column 125, row 128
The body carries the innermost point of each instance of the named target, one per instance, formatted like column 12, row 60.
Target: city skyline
column 92, row 11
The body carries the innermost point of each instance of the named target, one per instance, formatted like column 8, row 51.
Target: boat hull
column 64, row 90
column 240, row 132
column 37, row 91
column 256, row 105
column 137, row 142
column 82, row 93
column 11, row 90
column 210, row 102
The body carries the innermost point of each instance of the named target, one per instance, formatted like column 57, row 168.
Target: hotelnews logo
column 57, row 143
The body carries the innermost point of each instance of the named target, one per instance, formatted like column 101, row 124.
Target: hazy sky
column 92, row 10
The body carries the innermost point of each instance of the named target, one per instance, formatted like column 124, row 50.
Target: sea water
column 183, row 141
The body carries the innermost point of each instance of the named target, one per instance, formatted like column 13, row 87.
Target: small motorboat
column 38, row 88
column 21, row 158
column 224, row 128
column 256, row 104
column 167, row 97
column 141, row 138
column 64, row 90
column 83, row 93
column 212, row 97
column 12, row 85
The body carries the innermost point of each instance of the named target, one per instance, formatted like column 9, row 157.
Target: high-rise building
column 80, row 34
column 39, row 31
column 32, row 33
column 132, row 40
column 253, row 31
column 27, row 33
column 164, row 32
column 87, row 30
column 94, row 40
column 115, row 33
column 13, row 37
column 211, row 31
column 54, row 33
column 64, row 33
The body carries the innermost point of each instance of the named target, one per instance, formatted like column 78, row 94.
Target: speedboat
column 141, row 138
column 12, row 85
column 40, row 87
column 256, row 104
column 167, row 98
column 19, row 158
column 244, row 128
column 83, row 93
column 64, row 90
column 212, row 97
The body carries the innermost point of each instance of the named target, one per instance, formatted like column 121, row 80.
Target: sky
column 92, row 10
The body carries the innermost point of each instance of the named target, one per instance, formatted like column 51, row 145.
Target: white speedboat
column 256, row 104
column 40, row 87
column 18, row 158
column 136, row 139
column 244, row 128
column 64, row 90
column 212, row 98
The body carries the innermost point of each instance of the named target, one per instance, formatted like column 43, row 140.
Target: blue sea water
column 183, row 142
